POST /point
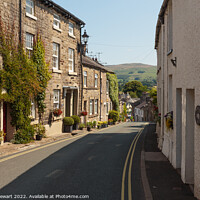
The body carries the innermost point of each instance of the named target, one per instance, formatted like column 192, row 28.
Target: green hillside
column 135, row 71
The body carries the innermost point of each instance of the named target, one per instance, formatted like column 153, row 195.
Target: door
column 5, row 119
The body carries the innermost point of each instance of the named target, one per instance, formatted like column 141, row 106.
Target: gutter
column 160, row 21
column 81, row 62
column 100, row 94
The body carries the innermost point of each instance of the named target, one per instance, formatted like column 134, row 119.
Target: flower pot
column 38, row 137
column 88, row 128
column 81, row 128
column 75, row 127
column 67, row 129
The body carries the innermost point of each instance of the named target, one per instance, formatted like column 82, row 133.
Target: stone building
column 178, row 48
column 96, row 101
column 61, row 33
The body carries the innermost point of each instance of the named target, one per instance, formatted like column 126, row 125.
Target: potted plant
column 169, row 120
column 89, row 125
column 94, row 123
column 67, row 124
column 110, row 122
column 105, row 123
column 81, row 126
column 57, row 112
column 100, row 125
column 40, row 131
column 76, row 121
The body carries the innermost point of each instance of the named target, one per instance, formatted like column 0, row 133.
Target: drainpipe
column 81, row 62
column 100, row 94
column 20, row 21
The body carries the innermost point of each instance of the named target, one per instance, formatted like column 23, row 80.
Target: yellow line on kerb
column 38, row 148
column 130, row 166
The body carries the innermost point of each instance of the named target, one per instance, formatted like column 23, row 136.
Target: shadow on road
column 74, row 169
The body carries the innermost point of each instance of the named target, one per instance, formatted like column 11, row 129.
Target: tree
column 135, row 87
column 153, row 94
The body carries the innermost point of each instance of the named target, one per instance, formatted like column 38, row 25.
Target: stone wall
column 42, row 23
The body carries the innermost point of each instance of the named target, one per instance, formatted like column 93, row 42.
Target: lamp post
column 83, row 49
column 85, row 38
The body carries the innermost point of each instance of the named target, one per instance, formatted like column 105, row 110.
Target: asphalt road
column 101, row 165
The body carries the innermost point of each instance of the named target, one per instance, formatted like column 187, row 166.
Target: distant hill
column 135, row 71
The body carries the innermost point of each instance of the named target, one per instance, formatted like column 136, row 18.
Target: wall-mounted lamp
column 83, row 46
column 174, row 61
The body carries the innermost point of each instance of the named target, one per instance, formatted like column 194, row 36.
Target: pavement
column 164, row 182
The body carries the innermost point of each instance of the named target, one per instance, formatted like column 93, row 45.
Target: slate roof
column 87, row 61
column 62, row 11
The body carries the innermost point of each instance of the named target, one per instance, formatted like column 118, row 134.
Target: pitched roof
column 160, row 21
column 141, row 105
column 87, row 61
column 61, row 10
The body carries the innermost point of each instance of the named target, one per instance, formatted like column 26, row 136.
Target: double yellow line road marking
column 132, row 148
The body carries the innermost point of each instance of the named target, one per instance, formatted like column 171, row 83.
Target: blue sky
column 123, row 31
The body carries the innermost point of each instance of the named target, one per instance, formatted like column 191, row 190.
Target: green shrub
column 68, row 121
column 89, row 124
column 114, row 115
column 82, row 126
column 76, row 119
column 94, row 123
column 23, row 136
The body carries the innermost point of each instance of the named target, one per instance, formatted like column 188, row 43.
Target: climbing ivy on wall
column 113, row 90
column 22, row 79
column 43, row 74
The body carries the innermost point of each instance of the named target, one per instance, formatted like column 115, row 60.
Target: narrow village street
column 97, row 165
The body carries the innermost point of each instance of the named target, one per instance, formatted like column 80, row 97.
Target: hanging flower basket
column 83, row 113
column 57, row 112
column 169, row 120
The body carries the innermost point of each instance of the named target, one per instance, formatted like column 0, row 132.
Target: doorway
column 178, row 128
column 189, row 137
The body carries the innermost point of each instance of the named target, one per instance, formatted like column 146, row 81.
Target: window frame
column 107, row 108
column 96, row 106
column 71, row 29
column 54, row 99
column 31, row 7
column 107, row 86
column 56, row 56
column 71, row 60
column 96, row 80
column 33, row 109
column 85, row 77
column 29, row 40
column 56, row 21
column 91, row 106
